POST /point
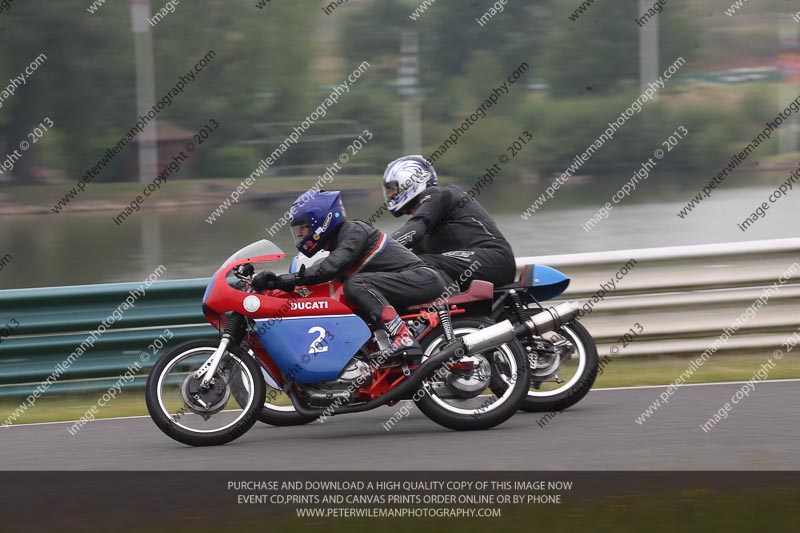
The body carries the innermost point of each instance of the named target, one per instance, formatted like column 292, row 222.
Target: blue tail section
column 544, row 282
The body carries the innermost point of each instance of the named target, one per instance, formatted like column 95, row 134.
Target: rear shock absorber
column 447, row 323
column 519, row 308
column 523, row 314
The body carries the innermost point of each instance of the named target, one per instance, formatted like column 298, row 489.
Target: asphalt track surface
column 600, row 433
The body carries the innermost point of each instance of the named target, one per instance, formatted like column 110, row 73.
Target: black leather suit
column 377, row 270
column 450, row 231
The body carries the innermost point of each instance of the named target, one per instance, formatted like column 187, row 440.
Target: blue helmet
column 404, row 182
column 322, row 212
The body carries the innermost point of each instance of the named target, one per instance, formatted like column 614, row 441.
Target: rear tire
column 272, row 413
column 282, row 416
column 582, row 339
column 516, row 363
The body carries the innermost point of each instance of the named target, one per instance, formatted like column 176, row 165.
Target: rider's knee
column 352, row 286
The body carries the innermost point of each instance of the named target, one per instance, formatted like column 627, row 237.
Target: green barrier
column 44, row 328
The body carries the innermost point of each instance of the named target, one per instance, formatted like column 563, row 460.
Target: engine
column 356, row 374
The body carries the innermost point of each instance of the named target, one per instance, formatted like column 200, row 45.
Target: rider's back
column 456, row 221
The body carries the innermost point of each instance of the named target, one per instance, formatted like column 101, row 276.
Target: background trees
column 277, row 63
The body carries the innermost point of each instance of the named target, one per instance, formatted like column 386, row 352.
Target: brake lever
column 244, row 272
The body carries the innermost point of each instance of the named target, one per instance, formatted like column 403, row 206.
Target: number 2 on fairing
column 316, row 347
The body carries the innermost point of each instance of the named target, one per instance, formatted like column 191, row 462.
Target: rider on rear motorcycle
column 378, row 272
column 448, row 229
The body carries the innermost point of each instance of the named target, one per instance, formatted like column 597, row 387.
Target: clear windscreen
column 255, row 251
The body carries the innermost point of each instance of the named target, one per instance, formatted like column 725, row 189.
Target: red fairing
column 315, row 300
column 322, row 299
column 338, row 295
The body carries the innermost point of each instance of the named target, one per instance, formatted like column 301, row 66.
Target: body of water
column 86, row 248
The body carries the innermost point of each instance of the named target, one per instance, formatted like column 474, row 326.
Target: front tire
column 508, row 383
column 166, row 398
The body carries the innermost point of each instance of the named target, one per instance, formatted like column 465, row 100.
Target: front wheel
column 196, row 416
column 477, row 391
column 575, row 375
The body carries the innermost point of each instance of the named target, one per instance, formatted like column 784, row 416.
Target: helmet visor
column 391, row 190
column 301, row 231
column 304, row 239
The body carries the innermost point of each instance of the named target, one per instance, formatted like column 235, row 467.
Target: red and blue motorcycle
column 563, row 360
column 319, row 359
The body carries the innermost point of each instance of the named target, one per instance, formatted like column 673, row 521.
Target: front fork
column 234, row 332
column 209, row 368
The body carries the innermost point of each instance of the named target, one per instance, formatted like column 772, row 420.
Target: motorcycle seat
column 478, row 290
column 515, row 285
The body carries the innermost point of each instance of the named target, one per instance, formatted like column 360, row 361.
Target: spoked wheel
column 204, row 416
column 477, row 391
column 567, row 380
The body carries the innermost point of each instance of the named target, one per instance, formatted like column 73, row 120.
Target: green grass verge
column 54, row 408
column 622, row 372
column 626, row 372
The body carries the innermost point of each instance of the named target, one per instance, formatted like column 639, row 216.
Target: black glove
column 286, row 282
column 267, row 281
column 264, row 281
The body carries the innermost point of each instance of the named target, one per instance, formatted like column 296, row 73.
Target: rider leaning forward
column 378, row 272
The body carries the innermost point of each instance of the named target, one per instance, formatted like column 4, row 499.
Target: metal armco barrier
column 53, row 322
column 682, row 296
column 685, row 296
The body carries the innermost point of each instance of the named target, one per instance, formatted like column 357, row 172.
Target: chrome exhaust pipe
column 550, row 319
column 489, row 337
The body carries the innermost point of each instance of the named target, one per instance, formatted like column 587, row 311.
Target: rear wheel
column 279, row 411
column 477, row 391
column 573, row 373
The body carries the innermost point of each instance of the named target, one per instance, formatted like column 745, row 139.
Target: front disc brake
column 205, row 402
